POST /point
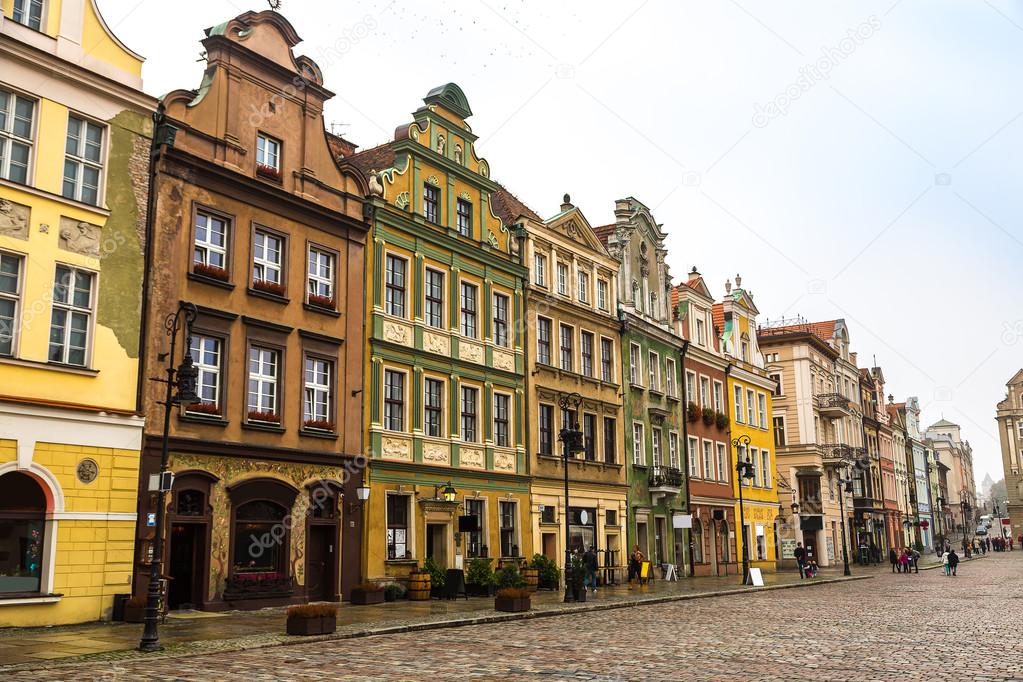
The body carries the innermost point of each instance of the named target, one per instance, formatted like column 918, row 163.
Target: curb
column 198, row 648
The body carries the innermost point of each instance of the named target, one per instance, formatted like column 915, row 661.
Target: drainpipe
column 685, row 444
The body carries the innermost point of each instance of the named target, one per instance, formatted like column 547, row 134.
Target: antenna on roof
column 335, row 127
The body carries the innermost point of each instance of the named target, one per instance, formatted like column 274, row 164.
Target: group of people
column 993, row 545
column 804, row 560
column 905, row 561
column 949, row 561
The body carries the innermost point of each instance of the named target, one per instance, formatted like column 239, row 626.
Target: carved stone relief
column 436, row 343
column 397, row 333
column 471, row 457
column 13, row 219
column 504, row 360
column 79, row 236
column 471, row 352
column 504, row 461
column 395, row 448
column 435, row 453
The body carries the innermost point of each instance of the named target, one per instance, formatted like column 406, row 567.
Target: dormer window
column 268, row 157
column 700, row 332
column 744, row 350
column 29, row 13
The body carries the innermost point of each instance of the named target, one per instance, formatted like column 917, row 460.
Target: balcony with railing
column 833, row 405
column 665, row 480
column 840, row 454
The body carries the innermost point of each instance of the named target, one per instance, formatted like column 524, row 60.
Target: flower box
column 209, row 409
column 267, row 417
column 693, row 412
column 269, row 287
column 319, row 425
column 242, row 586
column 312, row 619
column 211, row 271
column 512, row 600
column 364, row 595
column 268, row 172
column 326, row 302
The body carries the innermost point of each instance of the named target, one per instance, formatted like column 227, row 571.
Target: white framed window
column 433, row 295
column 562, row 269
column 501, row 304
column 433, row 407
column 606, row 359
column 602, row 289
column 744, row 349
column 765, row 468
column 83, row 160
column 469, row 306
column 431, row 202
column 206, row 354
column 722, row 457
column 10, row 300
column 395, row 272
column 540, row 270
column 701, row 332
column 673, row 450
column 762, row 410
column 637, row 445
column 776, row 378
column 502, row 419
column 654, row 367
column 693, row 457
column 566, row 337
column 509, row 528
column 17, row 119
column 29, row 13
column 754, row 458
column 264, row 364
column 751, row 407
column 321, row 277
column 394, row 400
column 267, row 257
column 719, row 398
column 586, row 353
column 469, row 413
column 690, row 386
column 463, row 216
column 704, row 392
column 316, row 401
column 655, row 446
column 634, row 362
column 71, row 317
column 268, row 152
column 584, row 287
column 543, row 340
column 669, row 377
column 739, row 418
column 210, row 250
column 708, row 460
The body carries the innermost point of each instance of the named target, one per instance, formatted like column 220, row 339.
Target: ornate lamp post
column 844, row 486
column 965, row 507
column 744, row 471
column 572, row 440
column 184, row 380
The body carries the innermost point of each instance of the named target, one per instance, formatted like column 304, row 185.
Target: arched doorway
column 23, row 506
column 189, row 522
column 322, row 542
column 260, row 545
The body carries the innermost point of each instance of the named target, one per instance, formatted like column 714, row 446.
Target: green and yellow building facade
column 75, row 131
column 444, row 381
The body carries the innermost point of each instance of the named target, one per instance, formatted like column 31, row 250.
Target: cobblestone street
column 920, row 626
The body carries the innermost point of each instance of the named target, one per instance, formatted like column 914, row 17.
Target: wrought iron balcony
column 833, row 405
column 667, row 480
column 840, row 454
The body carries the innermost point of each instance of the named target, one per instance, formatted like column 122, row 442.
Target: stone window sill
column 17, row 599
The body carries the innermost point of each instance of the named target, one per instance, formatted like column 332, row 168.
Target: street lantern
column 187, row 380
column 844, row 486
column 449, row 493
column 745, row 471
column 362, row 492
column 572, row 442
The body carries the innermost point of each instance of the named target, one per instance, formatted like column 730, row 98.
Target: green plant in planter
column 509, row 576
column 394, row 592
column 708, row 417
column 437, row 574
column 693, row 412
column 480, row 573
column 722, row 420
column 550, row 575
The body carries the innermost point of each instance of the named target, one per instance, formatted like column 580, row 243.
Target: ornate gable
column 571, row 223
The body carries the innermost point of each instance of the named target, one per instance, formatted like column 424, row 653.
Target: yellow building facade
column 749, row 392
column 75, row 133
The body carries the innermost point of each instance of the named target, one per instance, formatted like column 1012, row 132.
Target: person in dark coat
column 893, row 558
column 953, row 561
column 800, row 555
column 590, row 558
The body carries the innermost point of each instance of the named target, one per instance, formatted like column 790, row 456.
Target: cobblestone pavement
column 905, row 627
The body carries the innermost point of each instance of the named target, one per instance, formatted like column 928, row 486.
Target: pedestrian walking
column 800, row 555
column 635, row 562
column 591, row 568
column 944, row 562
column 953, row 561
column 893, row 558
column 916, row 561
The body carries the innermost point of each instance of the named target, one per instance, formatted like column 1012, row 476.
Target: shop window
column 697, row 533
column 509, row 547
column 22, row 533
column 397, row 527
column 191, row 503
column 474, row 539
column 259, row 547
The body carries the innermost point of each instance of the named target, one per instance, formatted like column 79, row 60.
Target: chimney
column 566, row 203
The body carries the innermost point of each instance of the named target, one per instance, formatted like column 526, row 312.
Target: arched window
column 260, row 538
column 697, row 541
column 723, row 541
column 22, row 532
column 191, row 503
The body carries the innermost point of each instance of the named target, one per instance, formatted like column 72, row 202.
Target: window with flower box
column 268, row 157
column 317, row 403
column 264, row 367
column 210, row 251
column 207, row 354
column 268, row 262
column 320, row 280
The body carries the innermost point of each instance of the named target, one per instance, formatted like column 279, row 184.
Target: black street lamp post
column 744, row 470
column 572, row 440
column 844, row 486
column 965, row 507
column 184, row 379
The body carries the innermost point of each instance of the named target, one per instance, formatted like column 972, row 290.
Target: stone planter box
column 318, row 625
column 512, row 605
column 366, row 597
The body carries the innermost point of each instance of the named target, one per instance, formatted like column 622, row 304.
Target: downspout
column 685, row 444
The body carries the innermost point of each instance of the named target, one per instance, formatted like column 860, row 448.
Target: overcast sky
column 859, row 161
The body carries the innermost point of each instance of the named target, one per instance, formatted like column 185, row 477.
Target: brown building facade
column 257, row 227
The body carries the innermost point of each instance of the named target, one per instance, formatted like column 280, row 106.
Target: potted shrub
column 437, row 577
column 693, row 412
column 479, row 579
column 578, row 578
column 269, row 287
column 512, row 599
column 312, row 619
column 268, row 172
column 212, row 271
column 549, row 577
column 394, row 592
column 509, row 576
column 708, row 417
column 263, row 416
column 722, row 420
column 318, row 425
column 135, row 610
column 367, row 593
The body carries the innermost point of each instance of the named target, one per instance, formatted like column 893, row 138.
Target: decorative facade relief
column 395, row 448
column 504, row 461
column 79, row 236
column 471, row 352
column 504, row 360
column 471, row 458
column 436, row 453
column 436, row 343
column 397, row 333
column 13, row 219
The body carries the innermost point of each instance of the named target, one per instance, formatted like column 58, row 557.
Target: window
column 316, row 402
column 584, row 287
column 690, row 387
column 433, row 406
column 655, row 446
column 206, row 354
column 501, row 408
column 254, row 523
column 71, row 319
column 210, row 257
column 468, row 301
column 590, row 437
column 397, row 527
column 543, row 340
column 708, row 460
column 268, row 153
column 501, row 320
column 566, row 347
column 610, row 440
column 739, row 419
column 634, row 367
column 263, row 367
column 546, row 433
column 761, row 543
column 29, row 13
column 474, row 507
column 540, row 269
column 23, row 535
column 697, row 540
column 704, row 392
column 468, row 413
column 16, row 117
column 394, row 285
column 434, row 294
column 463, row 210
column 750, row 407
column 431, row 202
column 669, row 377
column 267, row 251
column 765, row 468
column 637, row 445
column 701, row 333
column 722, row 463
column 586, row 352
column 606, row 351
column 776, row 378
column 719, row 398
column 547, row 513
column 602, row 294
column 673, row 450
column 563, row 279
column 83, row 160
column 394, row 400
column 509, row 547
column 10, row 298
column 653, row 367
column 745, row 350
column 321, row 278
column 693, row 457
column 762, row 410
column 754, row 459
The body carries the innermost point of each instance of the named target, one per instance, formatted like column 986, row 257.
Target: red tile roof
column 339, row 146
column 509, row 208
column 376, row 158
column 604, row 232
column 717, row 312
column 823, row 330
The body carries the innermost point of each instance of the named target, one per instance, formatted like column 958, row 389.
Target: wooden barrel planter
column 418, row 587
column 532, row 578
